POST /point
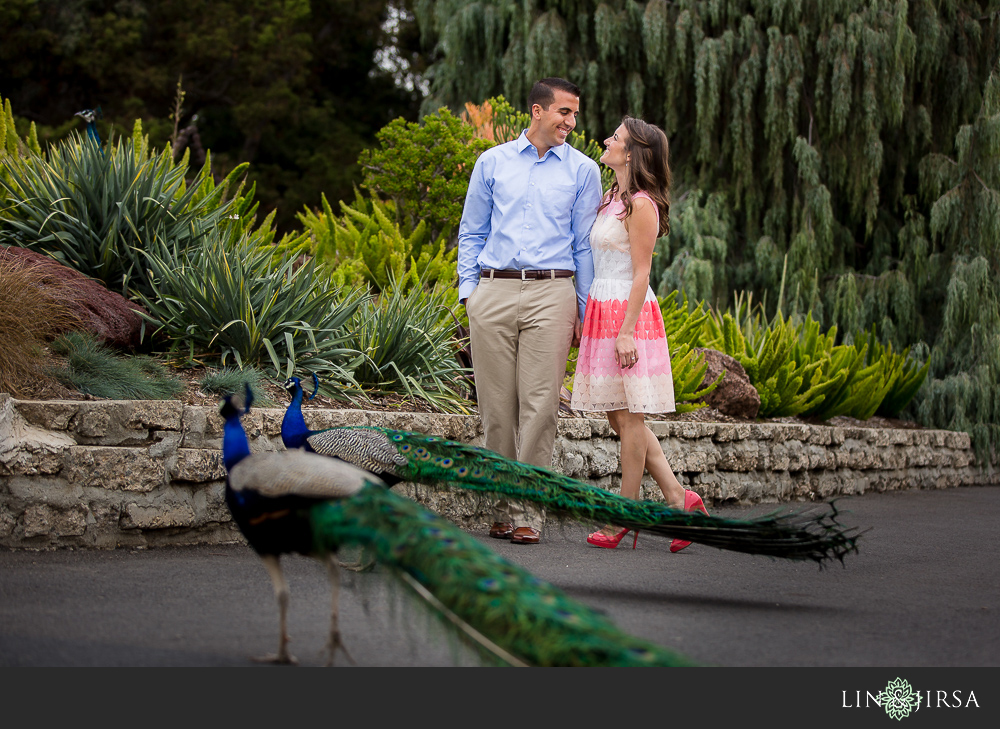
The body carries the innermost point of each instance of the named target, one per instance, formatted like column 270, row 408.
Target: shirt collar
column 559, row 151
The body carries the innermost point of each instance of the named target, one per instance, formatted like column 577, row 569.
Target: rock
column 112, row 318
column 734, row 396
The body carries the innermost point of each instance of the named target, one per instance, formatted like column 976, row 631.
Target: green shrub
column 94, row 369
column 687, row 368
column 878, row 381
column 366, row 247
column 906, row 374
column 851, row 387
column 12, row 149
column 230, row 299
column 684, row 323
column 425, row 169
column 787, row 385
column 407, row 339
column 95, row 209
column 798, row 370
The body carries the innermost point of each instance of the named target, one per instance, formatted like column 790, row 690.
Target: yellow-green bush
column 366, row 246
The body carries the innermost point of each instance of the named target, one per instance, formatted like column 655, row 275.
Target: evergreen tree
column 836, row 146
column 291, row 86
column 964, row 393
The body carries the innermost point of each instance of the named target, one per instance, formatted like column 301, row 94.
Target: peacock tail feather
column 404, row 456
column 525, row 616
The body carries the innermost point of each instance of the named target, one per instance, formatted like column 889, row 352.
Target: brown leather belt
column 524, row 274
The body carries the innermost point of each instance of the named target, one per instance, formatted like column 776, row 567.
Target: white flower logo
column 898, row 699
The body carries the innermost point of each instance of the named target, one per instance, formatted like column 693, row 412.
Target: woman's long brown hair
column 649, row 169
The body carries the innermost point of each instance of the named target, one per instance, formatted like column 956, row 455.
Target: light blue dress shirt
column 522, row 212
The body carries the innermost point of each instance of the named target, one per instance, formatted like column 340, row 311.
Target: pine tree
column 836, row 142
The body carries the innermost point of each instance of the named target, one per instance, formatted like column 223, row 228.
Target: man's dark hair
column 543, row 92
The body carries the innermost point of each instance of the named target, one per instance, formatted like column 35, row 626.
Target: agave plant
column 409, row 347
column 230, row 299
column 95, row 209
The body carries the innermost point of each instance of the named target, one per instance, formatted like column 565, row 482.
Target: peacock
column 299, row 502
column 91, row 116
column 395, row 455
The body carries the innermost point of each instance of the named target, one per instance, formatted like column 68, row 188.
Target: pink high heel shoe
column 599, row 539
column 692, row 502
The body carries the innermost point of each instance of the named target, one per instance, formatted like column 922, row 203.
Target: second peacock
column 395, row 455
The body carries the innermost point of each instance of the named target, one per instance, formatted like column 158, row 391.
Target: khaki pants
column 520, row 334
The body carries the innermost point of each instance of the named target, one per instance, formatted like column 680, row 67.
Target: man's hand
column 577, row 333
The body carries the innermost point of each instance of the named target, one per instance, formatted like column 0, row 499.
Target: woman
column 623, row 367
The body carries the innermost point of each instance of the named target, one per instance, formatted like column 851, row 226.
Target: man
column 524, row 271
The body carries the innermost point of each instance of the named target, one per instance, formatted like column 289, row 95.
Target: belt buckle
column 523, row 276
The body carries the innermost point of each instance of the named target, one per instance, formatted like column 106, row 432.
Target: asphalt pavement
column 923, row 591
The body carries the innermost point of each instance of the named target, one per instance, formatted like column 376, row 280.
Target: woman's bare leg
column 655, row 463
column 631, row 433
column 659, row 469
column 629, row 427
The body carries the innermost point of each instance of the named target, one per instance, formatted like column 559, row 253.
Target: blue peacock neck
column 235, row 445
column 293, row 426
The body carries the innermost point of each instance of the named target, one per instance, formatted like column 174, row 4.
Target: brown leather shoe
column 525, row 535
column 501, row 530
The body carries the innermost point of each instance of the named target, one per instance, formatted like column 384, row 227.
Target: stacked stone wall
column 107, row 474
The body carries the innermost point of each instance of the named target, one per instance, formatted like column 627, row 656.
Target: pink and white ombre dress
column 600, row 384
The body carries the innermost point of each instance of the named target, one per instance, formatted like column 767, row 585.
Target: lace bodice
column 610, row 244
